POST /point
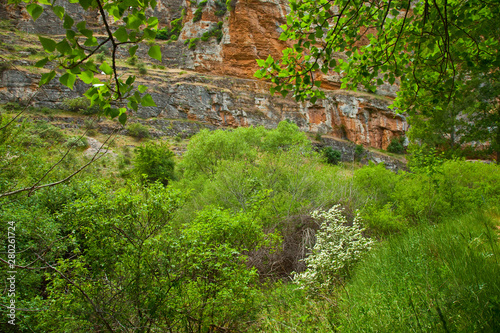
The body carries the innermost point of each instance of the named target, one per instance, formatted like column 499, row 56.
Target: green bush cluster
column 332, row 156
column 77, row 142
column 214, row 32
column 191, row 43
column 453, row 188
column 174, row 31
column 154, row 162
column 210, row 244
column 80, row 105
column 199, row 10
column 396, row 145
column 138, row 130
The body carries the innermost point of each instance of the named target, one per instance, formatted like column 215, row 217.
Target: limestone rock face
column 219, row 88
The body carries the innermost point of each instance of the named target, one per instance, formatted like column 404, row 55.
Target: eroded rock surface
column 219, row 89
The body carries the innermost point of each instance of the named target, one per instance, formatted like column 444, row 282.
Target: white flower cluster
column 338, row 246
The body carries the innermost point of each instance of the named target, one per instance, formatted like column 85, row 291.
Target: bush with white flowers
column 338, row 247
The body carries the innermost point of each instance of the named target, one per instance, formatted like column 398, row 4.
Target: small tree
column 154, row 162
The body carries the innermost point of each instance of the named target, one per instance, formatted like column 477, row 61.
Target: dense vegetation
column 252, row 230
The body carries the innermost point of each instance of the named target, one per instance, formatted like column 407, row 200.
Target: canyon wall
column 213, row 81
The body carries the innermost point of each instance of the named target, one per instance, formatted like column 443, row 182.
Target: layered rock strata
column 219, row 89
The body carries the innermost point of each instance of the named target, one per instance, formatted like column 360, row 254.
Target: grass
column 441, row 278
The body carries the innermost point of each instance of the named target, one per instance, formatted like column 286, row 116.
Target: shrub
column 80, row 105
column 154, row 162
column 199, row 11
column 48, row 131
column 142, row 68
column 174, row 31
column 76, row 104
column 396, row 146
column 138, row 130
column 100, row 57
column 338, row 247
column 132, row 61
column 332, row 156
column 359, row 150
column 77, row 142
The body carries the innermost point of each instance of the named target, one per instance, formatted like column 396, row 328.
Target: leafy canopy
column 429, row 46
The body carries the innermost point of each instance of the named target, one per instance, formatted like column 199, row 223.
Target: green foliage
column 286, row 308
column 142, row 68
column 424, row 159
column 138, row 130
column 428, row 195
column 191, row 43
column 359, row 150
column 174, row 31
column 199, row 10
column 48, row 132
column 396, row 146
column 154, row 162
column 332, row 156
column 80, row 105
column 132, row 61
column 441, row 88
column 214, row 32
column 440, row 278
column 207, row 149
column 100, row 57
column 77, row 142
column 221, row 7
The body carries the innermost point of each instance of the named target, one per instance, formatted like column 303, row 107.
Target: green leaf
column 48, row 44
column 269, row 60
column 149, row 33
column 41, row 63
column 106, row 68
column 68, row 80
column 63, row 47
column 152, row 22
column 59, row 11
column 123, row 116
column 86, row 77
column 46, row 78
column 147, row 100
column 113, row 112
column 34, row 10
column 130, row 79
column 121, row 34
column 85, row 3
column 155, row 52
column 68, row 22
column 142, row 89
column 132, row 50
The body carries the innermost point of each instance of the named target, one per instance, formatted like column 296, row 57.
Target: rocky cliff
column 212, row 81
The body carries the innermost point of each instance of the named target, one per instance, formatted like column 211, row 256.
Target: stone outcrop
column 219, row 88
